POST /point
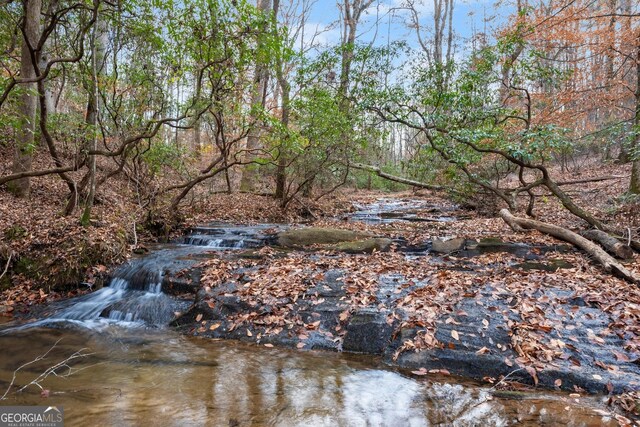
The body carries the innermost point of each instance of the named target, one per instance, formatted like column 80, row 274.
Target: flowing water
column 156, row 377
column 385, row 211
column 137, row 371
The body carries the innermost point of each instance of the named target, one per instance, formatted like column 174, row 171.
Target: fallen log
column 379, row 172
column 609, row 243
column 607, row 261
column 509, row 219
column 597, row 179
column 633, row 244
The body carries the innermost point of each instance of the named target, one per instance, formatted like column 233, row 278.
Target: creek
column 139, row 371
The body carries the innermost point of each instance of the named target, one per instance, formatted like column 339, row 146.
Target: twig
column 82, row 390
column 9, row 262
column 309, row 211
column 505, row 377
column 52, row 370
column 37, row 359
column 135, row 235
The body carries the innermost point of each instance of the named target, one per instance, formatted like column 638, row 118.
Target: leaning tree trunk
column 27, row 104
column 596, row 252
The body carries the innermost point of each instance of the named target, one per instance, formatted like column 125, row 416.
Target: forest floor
column 543, row 314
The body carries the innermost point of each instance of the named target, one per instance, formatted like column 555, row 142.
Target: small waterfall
column 227, row 244
column 134, row 295
column 227, row 237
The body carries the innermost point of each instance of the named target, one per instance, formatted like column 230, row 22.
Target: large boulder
column 319, row 236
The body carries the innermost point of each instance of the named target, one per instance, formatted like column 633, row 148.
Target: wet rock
column 140, row 250
column 178, row 286
column 379, row 244
column 477, row 328
column 231, row 304
column 551, row 266
column 200, row 310
column 331, row 286
column 320, row 341
column 367, row 332
column 490, row 242
column 181, row 282
column 328, row 313
column 395, row 215
column 446, row 245
column 315, row 235
column 511, row 394
column 593, row 358
column 464, row 363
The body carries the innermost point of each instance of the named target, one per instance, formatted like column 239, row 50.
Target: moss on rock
column 319, row 236
column 363, row 246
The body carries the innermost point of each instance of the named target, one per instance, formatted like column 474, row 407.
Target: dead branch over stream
column 600, row 255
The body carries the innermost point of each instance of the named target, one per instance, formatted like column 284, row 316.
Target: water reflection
column 140, row 377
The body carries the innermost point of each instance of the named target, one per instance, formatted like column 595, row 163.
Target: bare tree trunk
column 508, row 63
column 449, row 57
column 281, row 171
column 97, row 61
column 285, row 90
column 634, row 185
column 626, row 7
column 27, row 104
column 377, row 171
column 568, row 203
column 352, row 10
column 439, row 17
column 249, row 173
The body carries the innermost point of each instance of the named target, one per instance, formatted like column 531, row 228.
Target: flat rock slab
column 593, row 359
column 476, row 336
column 318, row 236
column 363, row 246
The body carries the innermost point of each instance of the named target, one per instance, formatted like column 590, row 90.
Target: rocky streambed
column 435, row 306
column 447, row 305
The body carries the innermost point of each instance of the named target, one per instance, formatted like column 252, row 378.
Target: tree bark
column 569, row 204
column 377, row 171
column 596, row 252
column 610, row 243
column 93, row 111
column 634, row 184
column 352, row 10
column 30, row 173
column 27, row 104
column 285, row 89
column 249, row 173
